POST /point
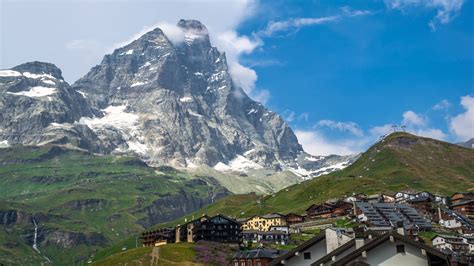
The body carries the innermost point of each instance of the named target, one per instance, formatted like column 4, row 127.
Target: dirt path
column 155, row 255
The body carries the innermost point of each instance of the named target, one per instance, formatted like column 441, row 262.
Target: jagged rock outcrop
column 171, row 207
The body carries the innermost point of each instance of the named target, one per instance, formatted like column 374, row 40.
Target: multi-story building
column 219, row 228
column 264, row 222
column 293, row 218
column 457, row 244
column 465, row 208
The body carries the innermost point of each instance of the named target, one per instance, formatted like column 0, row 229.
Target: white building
column 366, row 248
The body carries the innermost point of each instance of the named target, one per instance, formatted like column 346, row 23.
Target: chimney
column 359, row 237
column 400, row 228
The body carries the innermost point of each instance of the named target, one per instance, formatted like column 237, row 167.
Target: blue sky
column 340, row 72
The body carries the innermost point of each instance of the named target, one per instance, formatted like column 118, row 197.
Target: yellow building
column 263, row 223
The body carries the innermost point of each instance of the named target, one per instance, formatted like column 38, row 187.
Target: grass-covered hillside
column 84, row 202
column 401, row 161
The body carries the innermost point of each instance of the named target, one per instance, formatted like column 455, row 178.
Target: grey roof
column 389, row 214
column 272, row 215
column 462, row 203
column 258, row 254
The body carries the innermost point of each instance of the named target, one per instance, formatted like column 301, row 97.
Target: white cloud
column 243, row 77
column 304, row 116
column 411, row 118
column 261, row 96
column 274, row 27
column 446, row 10
column 235, row 46
column 349, row 12
column 442, row 105
column 429, row 133
column 294, row 24
column 288, row 115
column 174, row 33
column 350, row 127
column 315, row 143
column 382, row 130
column 462, row 125
column 413, row 123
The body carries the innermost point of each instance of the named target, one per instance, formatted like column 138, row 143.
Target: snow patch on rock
column 186, row 99
column 137, row 83
column 239, row 164
column 38, row 76
column 36, row 92
column 9, row 73
column 115, row 116
column 4, row 144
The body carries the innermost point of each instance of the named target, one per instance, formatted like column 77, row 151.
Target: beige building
column 263, row 223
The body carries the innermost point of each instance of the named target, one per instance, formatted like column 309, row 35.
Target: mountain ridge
column 167, row 103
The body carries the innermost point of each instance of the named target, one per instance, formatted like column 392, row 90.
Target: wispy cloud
column 294, row 24
column 288, row 115
column 411, row 118
column 261, row 96
column 350, row 127
column 316, row 143
column 442, row 105
column 446, row 10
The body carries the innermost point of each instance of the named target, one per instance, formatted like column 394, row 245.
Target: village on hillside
column 408, row 228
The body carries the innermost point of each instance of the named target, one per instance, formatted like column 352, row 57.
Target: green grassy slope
column 401, row 161
column 84, row 202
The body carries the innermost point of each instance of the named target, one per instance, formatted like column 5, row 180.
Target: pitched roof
column 420, row 199
column 389, row 214
column 223, row 216
column 272, row 216
column 299, row 248
column 261, row 253
column 385, row 237
column 325, row 204
column 335, row 252
column 462, row 203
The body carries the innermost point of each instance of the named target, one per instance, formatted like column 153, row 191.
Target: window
column 400, row 248
column 307, row 255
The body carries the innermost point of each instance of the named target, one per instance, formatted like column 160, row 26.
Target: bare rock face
column 169, row 103
column 37, row 106
column 184, row 106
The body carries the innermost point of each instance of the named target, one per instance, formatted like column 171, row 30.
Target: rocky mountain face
column 168, row 103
